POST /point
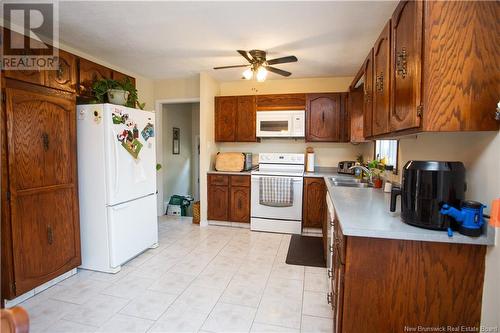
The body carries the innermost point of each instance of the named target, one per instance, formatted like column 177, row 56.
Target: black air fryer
column 427, row 185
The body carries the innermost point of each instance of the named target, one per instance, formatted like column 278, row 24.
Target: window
column 387, row 149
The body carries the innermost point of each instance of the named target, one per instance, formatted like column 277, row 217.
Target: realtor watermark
column 32, row 39
column 451, row 328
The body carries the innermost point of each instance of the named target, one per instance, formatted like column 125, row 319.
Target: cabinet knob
column 330, row 273
column 45, row 141
column 402, row 63
column 50, row 235
column 379, row 82
column 329, row 298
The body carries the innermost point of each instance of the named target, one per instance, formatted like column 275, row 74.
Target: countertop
column 321, row 172
column 364, row 212
column 239, row 173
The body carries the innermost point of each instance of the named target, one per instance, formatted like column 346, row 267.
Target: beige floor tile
column 316, row 325
column 315, row 304
column 149, row 305
column 125, row 324
column 230, row 318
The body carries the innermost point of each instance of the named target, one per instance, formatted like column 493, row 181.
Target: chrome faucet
column 365, row 169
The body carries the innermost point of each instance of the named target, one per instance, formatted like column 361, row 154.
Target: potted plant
column 376, row 168
column 116, row 92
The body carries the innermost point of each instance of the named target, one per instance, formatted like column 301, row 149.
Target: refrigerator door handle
column 122, row 206
column 115, row 153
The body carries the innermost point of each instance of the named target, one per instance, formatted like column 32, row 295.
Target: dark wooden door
column 225, row 118
column 218, row 203
column 89, row 72
column 246, row 119
column 41, row 126
column 355, row 106
column 323, row 117
column 368, row 96
column 239, row 204
column 65, row 77
column 381, row 69
column 406, row 62
column 314, row 210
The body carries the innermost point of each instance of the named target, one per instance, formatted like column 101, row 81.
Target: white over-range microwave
column 279, row 124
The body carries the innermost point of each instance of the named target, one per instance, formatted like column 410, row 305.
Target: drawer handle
column 402, row 63
column 332, row 223
column 329, row 298
column 330, row 273
column 331, row 248
column 45, row 141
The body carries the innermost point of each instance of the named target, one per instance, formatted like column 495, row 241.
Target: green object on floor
column 180, row 200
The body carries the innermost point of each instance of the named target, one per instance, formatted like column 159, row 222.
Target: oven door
column 274, row 124
column 293, row 212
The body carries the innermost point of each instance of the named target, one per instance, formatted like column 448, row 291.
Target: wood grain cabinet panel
column 41, row 146
column 246, row 119
column 314, row 207
column 240, row 204
column 355, row 106
column 381, row 70
column 368, row 95
column 225, row 118
column 65, row 77
column 281, row 102
column 89, row 72
column 218, row 203
column 323, row 117
column 406, row 55
column 121, row 77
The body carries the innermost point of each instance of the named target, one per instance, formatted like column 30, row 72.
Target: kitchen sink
column 345, row 181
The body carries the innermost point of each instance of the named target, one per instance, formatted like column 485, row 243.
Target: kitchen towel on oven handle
column 276, row 191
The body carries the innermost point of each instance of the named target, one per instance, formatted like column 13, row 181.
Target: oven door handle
column 294, row 179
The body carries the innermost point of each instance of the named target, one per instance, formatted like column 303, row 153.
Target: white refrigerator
column 117, row 184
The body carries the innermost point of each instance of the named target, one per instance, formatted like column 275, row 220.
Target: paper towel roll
column 310, row 162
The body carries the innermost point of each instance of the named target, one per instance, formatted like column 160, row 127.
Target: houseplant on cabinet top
column 116, row 92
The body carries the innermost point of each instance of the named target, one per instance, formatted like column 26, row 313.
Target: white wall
column 177, row 169
column 480, row 152
column 209, row 88
column 195, row 170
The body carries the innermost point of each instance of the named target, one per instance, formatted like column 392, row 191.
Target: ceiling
column 163, row 40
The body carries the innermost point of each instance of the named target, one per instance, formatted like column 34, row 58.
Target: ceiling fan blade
column 245, row 55
column 278, row 71
column 235, row 66
column 282, row 60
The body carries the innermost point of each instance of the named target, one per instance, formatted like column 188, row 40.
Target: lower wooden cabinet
column 386, row 285
column 228, row 198
column 314, row 203
column 40, row 211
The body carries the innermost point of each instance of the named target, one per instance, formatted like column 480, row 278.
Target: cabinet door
column 381, row 66
column 246, row 119
column 41, row 148
column 314, row 209
column 118, row 76
column 281, row 102
column 240, row 204
column 355, row 106
column 225, row 118
column 406, row 40
column 218, row 203
column 13, row 45
column 323, row 118
column 89, row 72
column 65, row 76
column 368, row 96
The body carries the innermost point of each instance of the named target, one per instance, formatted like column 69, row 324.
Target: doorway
column 178, row 153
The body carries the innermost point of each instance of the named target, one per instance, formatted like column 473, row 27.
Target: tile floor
column 213, row 279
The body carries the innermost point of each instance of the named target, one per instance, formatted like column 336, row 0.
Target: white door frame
column 159, row 143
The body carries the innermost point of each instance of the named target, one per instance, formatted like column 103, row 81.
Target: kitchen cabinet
column 281, row 102
column 413, row 275
column 325, row 117
column 65, row 77
column 89, row 72
column 118, row 76
column 355, row 107
column 381, row 70
column 42, row 199
column 314, row 203
column 368, row 95
column 235, row 119
column 228, row 198
column 406, row 49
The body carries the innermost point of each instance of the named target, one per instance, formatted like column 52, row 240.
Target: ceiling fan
column 260, row 65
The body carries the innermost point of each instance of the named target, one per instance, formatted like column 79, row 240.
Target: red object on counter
column 377, row 183
column 495, row 213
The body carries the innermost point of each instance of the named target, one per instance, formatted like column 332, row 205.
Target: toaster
column 343, row 167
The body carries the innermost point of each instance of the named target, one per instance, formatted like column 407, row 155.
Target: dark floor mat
column 306, row 251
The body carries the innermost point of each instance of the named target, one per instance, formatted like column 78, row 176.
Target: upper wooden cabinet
column 381, row 70
column 235, row 119
column 281, row 102
column 355, row 107
column 406, row 41
column 368, row 95
column 118, row 76
column 89, row 72
column 323, row 117
column 65, row 77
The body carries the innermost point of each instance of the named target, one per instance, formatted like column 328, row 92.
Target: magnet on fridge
column 148, row 131
column 97, row 117
column 133, row 147
column 136, row 132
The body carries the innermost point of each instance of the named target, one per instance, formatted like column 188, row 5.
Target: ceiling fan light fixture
column 248, row 74
column 261, row 74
